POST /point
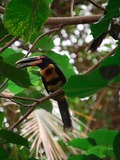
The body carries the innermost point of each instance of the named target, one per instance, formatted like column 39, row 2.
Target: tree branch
column 98, row 6
column 6, row 36
column 33, row 106
column 71, row 8
column 8, row 44
column 18, row 97
column 73, row 20
column 98, row 63
column 2, row 10
column 4, row 83
column 42, row 35
column 68, row 20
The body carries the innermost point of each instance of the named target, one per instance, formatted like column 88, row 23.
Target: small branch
column 42, row 35
column 21, row 104
column 71, row 8
column 96, row 106
column 2, row 10
column 102, row 59
column 73, row 20
column 18, row 97
column 33, row 106
column 8, row 44
column 98, row 6
column 2, row 85
column 4, row 37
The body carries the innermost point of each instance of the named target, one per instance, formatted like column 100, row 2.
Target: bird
column 53, row 79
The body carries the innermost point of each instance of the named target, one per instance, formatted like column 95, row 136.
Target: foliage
column 100, row 144
column 89, row 91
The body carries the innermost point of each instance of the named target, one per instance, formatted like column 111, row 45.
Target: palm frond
column 43, row 129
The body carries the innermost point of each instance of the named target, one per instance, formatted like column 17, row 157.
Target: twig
column 4, row 37
column 33, row 106
column 102, row 59
column 2, row 85
column 96, row 105
column 113, row 87
column 71, row 8
column 21, row 104
column 42, row 35
column 73, row 20
column 2, row 10
column 98, row 6
column 18, row 97
column 8, row 44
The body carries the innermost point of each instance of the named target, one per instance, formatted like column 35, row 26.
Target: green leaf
column 116, row 146
column 99, row 151
column 3, row 154
column 20, row 77
column 1, row 118
column 84, row 157
column 85, row 85
column 82, row 143
column 14, row 88
column 100, row 27
column 25, row 17
column 109, row 72
column 11, row 137
column 12, row 57
column 103, row 137
column 112, row 3
column 103, row 24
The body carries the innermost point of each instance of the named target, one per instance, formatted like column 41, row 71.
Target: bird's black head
column 40, row 61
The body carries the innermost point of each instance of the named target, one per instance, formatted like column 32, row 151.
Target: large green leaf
column 25, row 17
column 85, row 85
column 100, row 151
column 103, row 24
column 82, row 143
column 106, row 74
column 11, row 137
column 116, row 146
column 103, row 137
column 3, row 154
column 20, row 77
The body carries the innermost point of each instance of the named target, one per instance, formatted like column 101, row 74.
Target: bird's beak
column 26, row 62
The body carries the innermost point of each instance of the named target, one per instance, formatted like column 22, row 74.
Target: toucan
column 53, row 79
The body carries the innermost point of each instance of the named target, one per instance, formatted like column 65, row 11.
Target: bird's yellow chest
column 49, row 73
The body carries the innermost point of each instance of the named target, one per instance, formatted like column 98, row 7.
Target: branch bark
column 73, row 20
column 68, row 20
column 98, row 63
column 33, row 106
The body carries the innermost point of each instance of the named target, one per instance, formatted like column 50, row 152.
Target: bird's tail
column 63, row 107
